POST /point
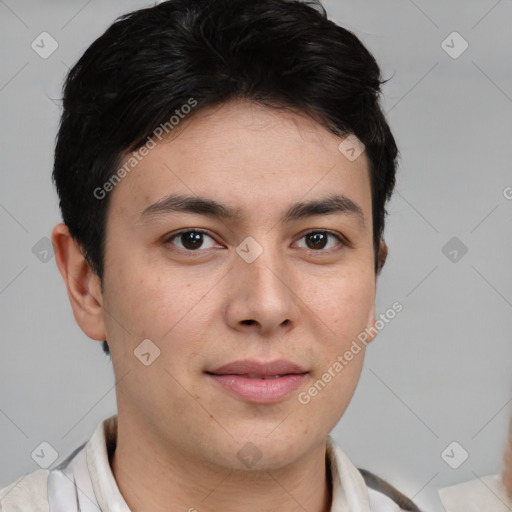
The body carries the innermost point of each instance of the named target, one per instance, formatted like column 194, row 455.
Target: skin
column 179, row 432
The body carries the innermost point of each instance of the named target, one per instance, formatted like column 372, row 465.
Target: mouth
column 259, row 382
column 259, row 369
column 251, row 376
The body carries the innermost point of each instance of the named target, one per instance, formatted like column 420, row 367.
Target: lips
column 259, row 382
column 253, row 369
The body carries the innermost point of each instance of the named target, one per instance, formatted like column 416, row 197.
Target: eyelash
column 344, row 242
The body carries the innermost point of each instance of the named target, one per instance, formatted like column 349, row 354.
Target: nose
column 261, row 295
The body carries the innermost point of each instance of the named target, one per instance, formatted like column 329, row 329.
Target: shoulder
column 485, row 494
column 27, row 494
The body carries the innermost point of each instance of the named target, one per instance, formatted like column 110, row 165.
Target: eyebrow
column 173, row 203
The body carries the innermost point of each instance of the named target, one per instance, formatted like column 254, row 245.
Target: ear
column 372, row 316
column 382, row 256
column 370, row 325
column 83, row 285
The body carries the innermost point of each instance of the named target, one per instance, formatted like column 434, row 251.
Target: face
column 260, row 283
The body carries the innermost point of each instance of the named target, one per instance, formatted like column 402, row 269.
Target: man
column 223, row 169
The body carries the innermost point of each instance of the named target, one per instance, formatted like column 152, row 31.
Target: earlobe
column 382, row 255
column 83, row 286
column 370, row 326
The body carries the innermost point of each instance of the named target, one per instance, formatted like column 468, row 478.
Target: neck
column 160, row 478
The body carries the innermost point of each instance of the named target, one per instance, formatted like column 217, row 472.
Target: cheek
column 136, row 301
column 331, row 388
column 341, row 302
column 150, row 301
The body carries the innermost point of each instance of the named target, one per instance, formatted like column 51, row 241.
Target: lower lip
column 261, row 391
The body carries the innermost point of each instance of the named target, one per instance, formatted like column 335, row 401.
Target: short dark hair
column 150, row 62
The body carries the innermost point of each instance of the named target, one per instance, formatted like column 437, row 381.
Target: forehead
column 244, row 155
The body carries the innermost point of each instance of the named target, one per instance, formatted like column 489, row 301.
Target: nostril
column 248, row 322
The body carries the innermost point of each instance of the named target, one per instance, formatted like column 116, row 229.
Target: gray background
column 438, row 373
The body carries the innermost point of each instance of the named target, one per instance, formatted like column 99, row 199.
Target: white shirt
column 84, row 482
column 486, row 494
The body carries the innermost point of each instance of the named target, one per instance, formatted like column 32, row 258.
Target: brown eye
column 191, row 240
column 316, row 240
column 319, row 240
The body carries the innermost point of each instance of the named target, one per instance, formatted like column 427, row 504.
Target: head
column 223, row 116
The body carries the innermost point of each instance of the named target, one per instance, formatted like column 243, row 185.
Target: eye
column 319, row 240
column 191, row 240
